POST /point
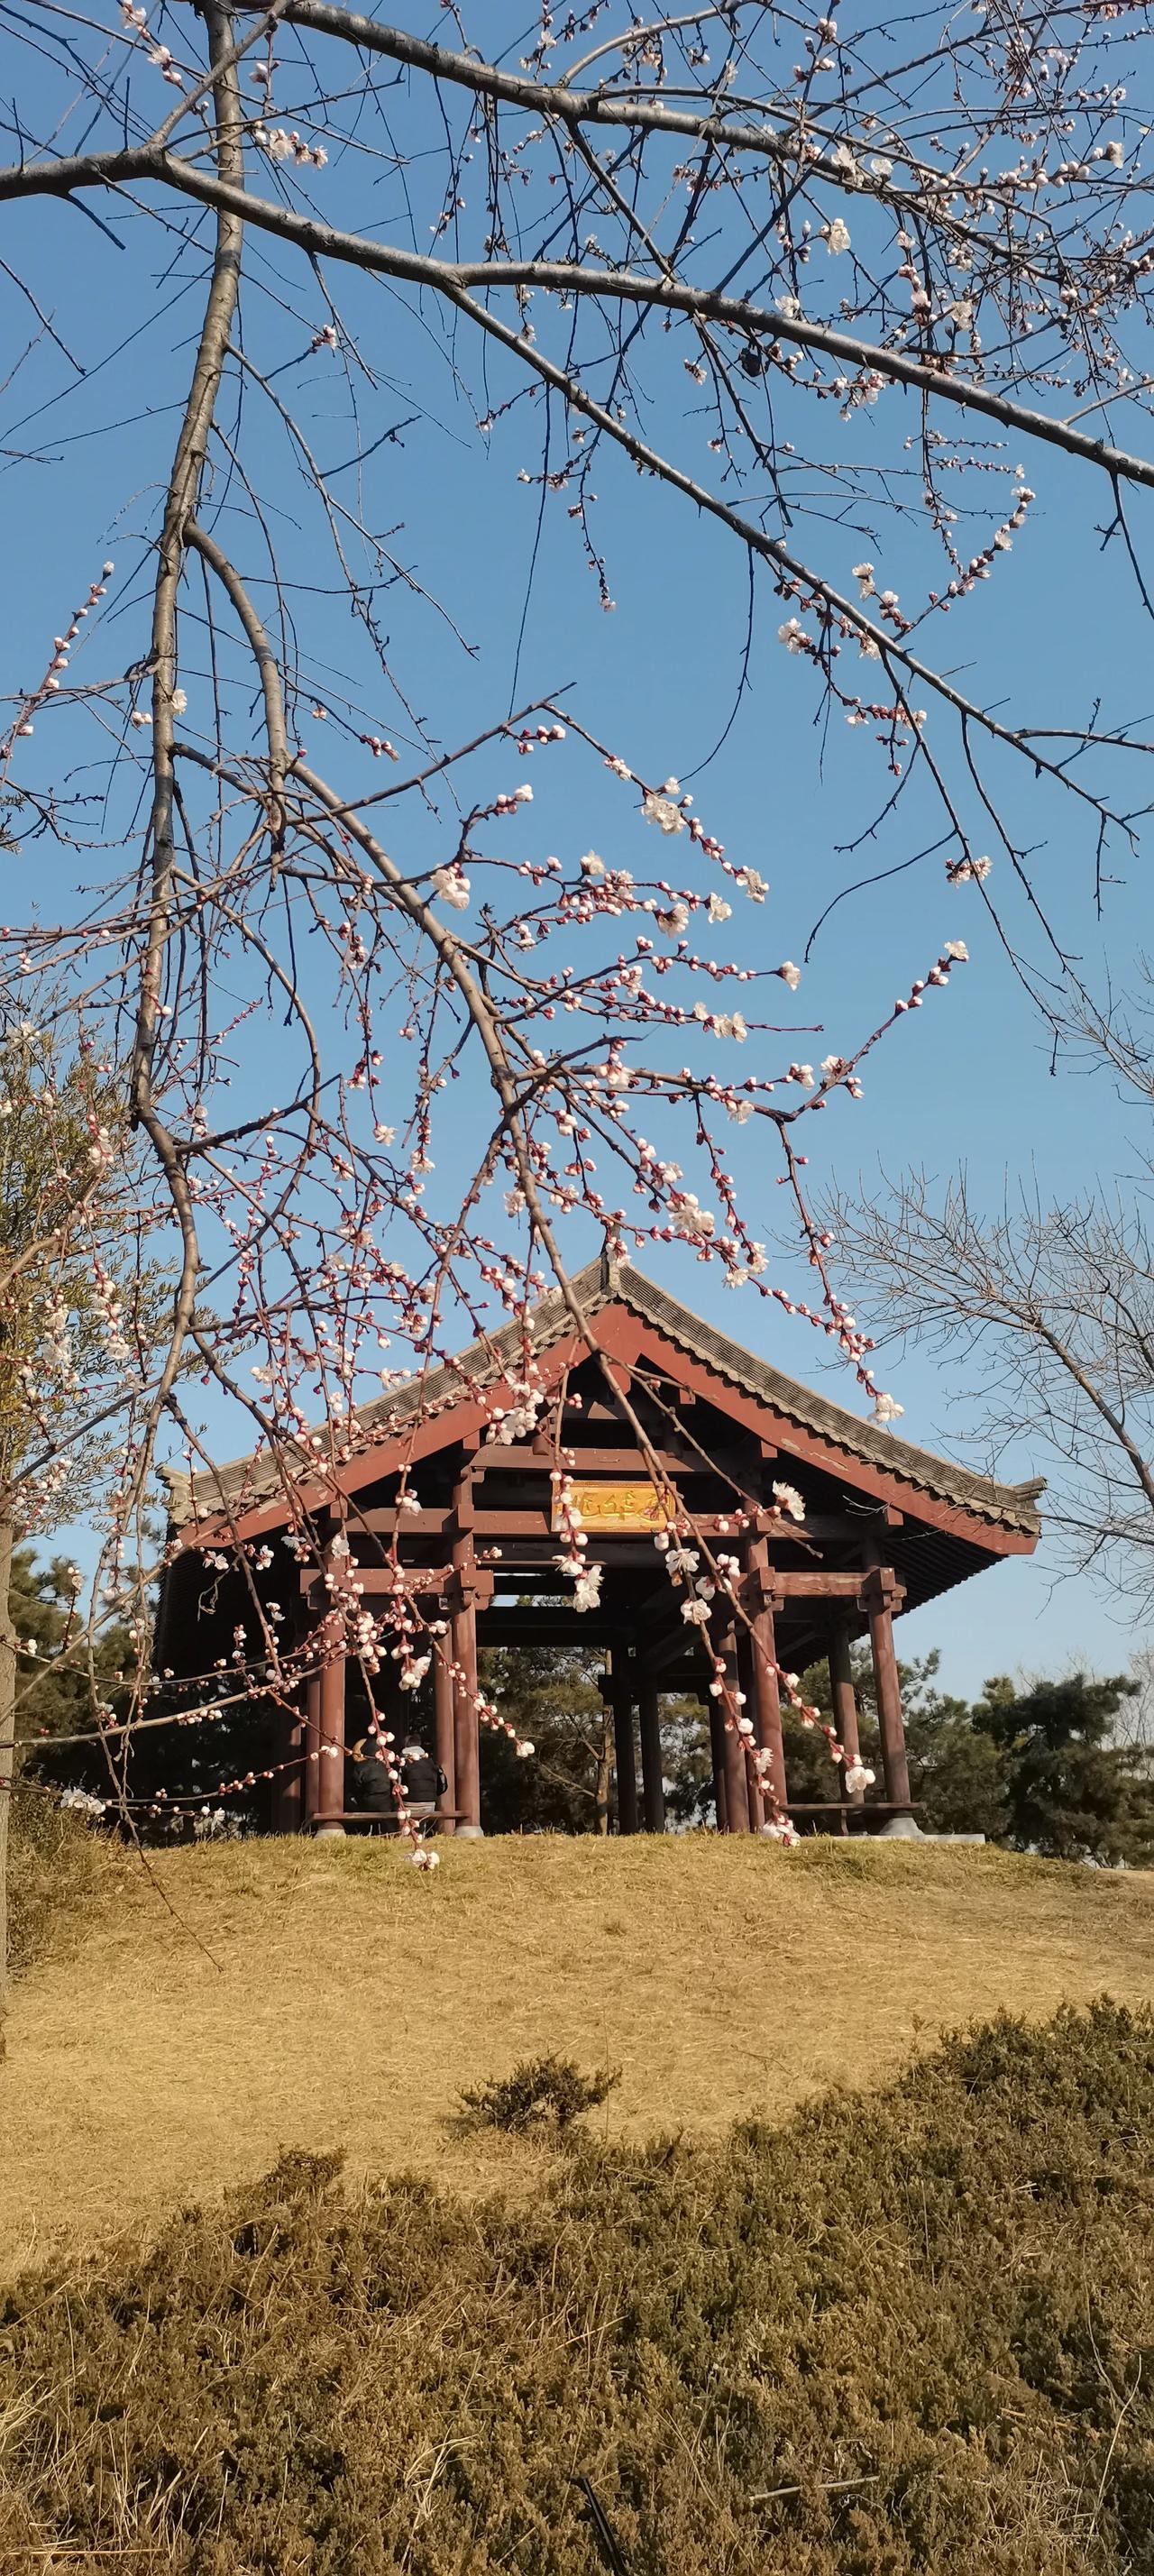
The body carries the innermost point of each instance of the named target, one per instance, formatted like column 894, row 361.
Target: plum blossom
column 695, row 1223
column 452, row 885
column 857, row 1776
column 886, row 1410
column 660, row 809
column 837, row 237
column 791, row 1501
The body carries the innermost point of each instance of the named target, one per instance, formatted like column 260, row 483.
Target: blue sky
column 969, row 1080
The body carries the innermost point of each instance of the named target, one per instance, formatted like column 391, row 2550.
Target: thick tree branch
column 562, row 277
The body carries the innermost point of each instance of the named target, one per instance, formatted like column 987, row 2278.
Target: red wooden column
column 765, row 1697
column 619, row 1679
column 844, row 1702
column 652, row 1782
column 727, row 1741
column 717, row 1749
column 326, row 1729
column 288, row 1788
column 745, row 1661
column 882, row 1594
column 443, row 1719
column 463, row 1632
column 288, row 1794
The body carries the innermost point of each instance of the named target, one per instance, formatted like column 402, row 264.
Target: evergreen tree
column 1073, row 1793
column 57, row 1691
column 552, row 1696
column 956, row 1769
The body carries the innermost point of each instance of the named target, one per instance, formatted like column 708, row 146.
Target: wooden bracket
column 881, row 1590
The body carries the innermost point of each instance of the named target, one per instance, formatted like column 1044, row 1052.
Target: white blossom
column 453, row 887
column 662, row 810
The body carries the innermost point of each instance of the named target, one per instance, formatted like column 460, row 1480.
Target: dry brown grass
column 320, row 1996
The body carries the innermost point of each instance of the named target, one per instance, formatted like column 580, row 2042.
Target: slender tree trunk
column 7, row 1750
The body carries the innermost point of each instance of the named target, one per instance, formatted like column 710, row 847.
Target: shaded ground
column 320, row 1996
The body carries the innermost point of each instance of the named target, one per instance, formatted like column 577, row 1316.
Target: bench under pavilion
column 886, row 1527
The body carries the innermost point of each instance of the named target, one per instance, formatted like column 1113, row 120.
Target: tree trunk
column 7, row 1751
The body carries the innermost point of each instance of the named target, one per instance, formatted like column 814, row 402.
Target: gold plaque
column 604, row 1506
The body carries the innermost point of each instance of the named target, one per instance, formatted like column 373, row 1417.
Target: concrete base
column 906, row 1829
column 328, row 1833
column 469, row 1834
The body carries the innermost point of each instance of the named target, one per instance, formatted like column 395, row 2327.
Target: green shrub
column 941, row 2292
column 541, row 2092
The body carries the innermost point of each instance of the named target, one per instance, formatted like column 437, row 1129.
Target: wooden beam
column 811, row 1584
column 626, row 1461
column 377, row 1581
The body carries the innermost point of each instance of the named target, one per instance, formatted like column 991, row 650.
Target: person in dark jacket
column 370, row 1781
column 424, row 1781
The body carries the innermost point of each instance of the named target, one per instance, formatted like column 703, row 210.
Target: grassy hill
column 230, row 2003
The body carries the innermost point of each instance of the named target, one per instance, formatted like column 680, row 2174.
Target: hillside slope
column 906, row 2333
column 251, row 1998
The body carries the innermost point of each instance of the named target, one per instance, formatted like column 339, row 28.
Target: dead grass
column 904, row 2334
column 319, row 1997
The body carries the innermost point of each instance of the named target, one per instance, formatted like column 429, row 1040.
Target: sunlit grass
column 241, row 1999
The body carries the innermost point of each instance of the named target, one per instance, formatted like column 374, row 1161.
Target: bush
column 940, row 2293
column 541, row 2092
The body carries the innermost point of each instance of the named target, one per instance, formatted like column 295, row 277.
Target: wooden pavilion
column 885, row 1528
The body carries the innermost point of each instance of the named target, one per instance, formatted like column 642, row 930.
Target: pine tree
column 1073, row 1792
